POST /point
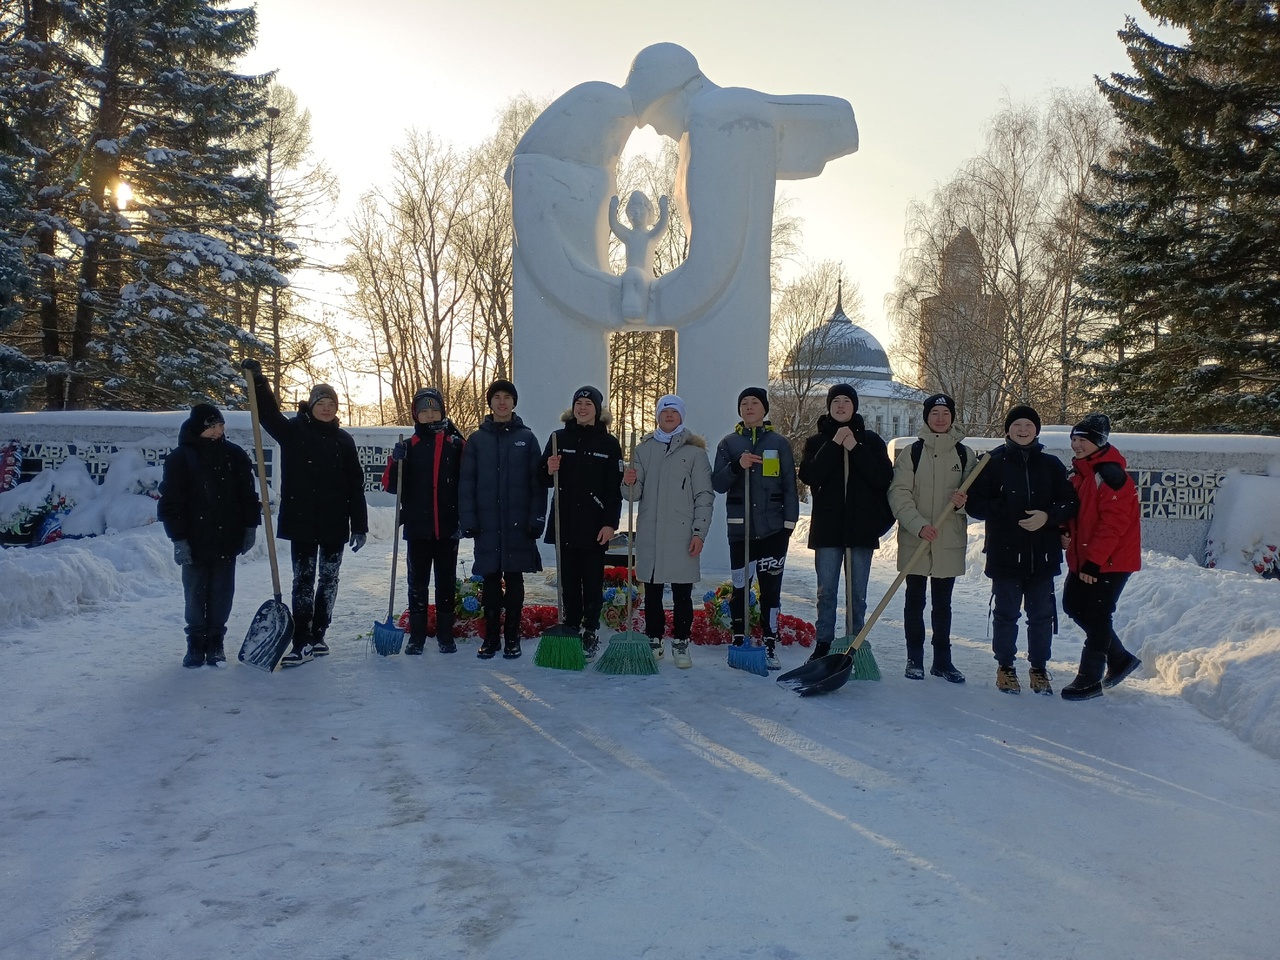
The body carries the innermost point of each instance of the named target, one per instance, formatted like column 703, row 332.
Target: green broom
column 864, row 663
column 560, row 648
column 628, row 653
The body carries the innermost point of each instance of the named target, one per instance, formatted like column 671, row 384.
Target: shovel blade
column 819, row 676
column 269, row 636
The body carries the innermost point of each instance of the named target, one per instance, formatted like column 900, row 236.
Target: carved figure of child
column 640, row 241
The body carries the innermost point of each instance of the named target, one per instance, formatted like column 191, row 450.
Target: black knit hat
column 590, row 393
column 1096, row 428
column 940, row 400
column 322, row 391
column 760, row 393
column 505, row 386
column 205, row 415
column 842, row 390
column 427, row 395
column 1022, row 412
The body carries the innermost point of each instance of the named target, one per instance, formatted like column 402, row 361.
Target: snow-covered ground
column 444, row 807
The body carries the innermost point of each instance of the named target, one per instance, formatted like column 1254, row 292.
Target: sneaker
column 590, row 645
column 296, row 657
column 414, row 647
column 771, row 660
column 511, row 650
column 1007, row 680
column 447, row 646
column 948, row 673
column 680, row 654
column 215, row 656
column 820, row 650
column 914, row 671
column 655, row 644
column 1038, row 678
column 1115, row 676
column 319, row 648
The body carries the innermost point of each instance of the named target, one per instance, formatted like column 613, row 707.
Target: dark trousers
column 315, row 587
column 420, row 557
column 768, row 558
column 499, row 592
column 1092, row 606
column 940, row 615
column 655, row 619
column 1011, row 595
column 581, row 576
column 208, row 590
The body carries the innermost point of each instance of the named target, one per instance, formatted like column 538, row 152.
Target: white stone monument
column 735, row 144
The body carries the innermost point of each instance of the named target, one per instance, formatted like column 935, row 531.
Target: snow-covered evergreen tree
column 1186, row 250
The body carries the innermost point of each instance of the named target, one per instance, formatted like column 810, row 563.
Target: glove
column 251, row 365
column 182, row 553
column 357, row 541
column 250, row 538
column 533, row 531
column 399, row 451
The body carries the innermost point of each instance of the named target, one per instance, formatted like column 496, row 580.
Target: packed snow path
column 443, row 807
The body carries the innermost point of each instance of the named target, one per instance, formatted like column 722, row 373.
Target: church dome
column 840, row 350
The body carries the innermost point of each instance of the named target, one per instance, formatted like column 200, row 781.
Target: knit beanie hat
column 322, row 391
column 760, row 393
column 205, row 415
column 842, row 390
column 590, row 393
column 670, row 401
column 504, row 386
column 1096, row 428
column 427, row 396
column 940, row 400
column 1022, row 412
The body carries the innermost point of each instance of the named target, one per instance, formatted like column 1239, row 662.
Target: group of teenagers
column 492, row 487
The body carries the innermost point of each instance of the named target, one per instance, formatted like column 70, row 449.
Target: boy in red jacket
column 1104, row 546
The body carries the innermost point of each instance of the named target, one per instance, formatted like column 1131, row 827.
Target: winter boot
column 942, row 665
column 492, row 638
column 915, row 669
column 771, row 657
column 1038, row 677
column 1007, row 680
column 590, row 645
column 195, row 652
column 511, row 634
column 820, row 650
column 446, row 645
column 414, row 646
column 214, row 655
column 1088, row 681
column 680, row 654
column 655, row 644
column 1120, row 668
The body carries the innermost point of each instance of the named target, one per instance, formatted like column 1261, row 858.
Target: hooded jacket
column 775, row 502
column 590, row 481
column 1021, row 478
column 432, row 471
column 501, row 501
column 917, row 497
column 1106, row 534
column 321, row 480
column 673, row 489
column 853, row 513
column 207, row 496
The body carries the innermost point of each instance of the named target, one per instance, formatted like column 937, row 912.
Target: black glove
column 533, row 531
column 251, row 365
column 182, row 553
column 357, row 541
column 399, row 451
column 250, row 538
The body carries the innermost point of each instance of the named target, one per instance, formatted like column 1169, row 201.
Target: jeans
column 208, row 590
column 420, row 557
column 315, row 587
column 913, row 618
column 827, row 562
column 1091, row 606
column 655, row 620
column 1011, row 594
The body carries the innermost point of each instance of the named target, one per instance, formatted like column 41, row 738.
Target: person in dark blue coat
column 210, row 510
column 432, row 464
column 322, row 505
column 1025, row 498
column 503, row 505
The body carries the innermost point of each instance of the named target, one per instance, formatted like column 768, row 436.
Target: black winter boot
column 214, row 655
column 511, row 631
column 942, row 665
column 195, row 652
column 1088, row 681
column 1119, row 668
column 492, row 638
column 820, row 650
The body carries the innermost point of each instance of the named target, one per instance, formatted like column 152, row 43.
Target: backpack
column 917, row 449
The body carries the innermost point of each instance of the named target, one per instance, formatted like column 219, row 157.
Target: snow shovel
column 388, row 638
column 831, row 672
column 560, row 647
column 748, row 657
column 629, row 651
column 271, row 630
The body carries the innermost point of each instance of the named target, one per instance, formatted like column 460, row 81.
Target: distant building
column 840, row 351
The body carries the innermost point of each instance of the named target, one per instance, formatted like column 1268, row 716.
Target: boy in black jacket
column 588, row 461
column 432, row 464
column 210, row 510
column 1026, row 498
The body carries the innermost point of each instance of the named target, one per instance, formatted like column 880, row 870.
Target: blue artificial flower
column 610, row 594
column 470, row 604
column 724, row 607
column 708, row 596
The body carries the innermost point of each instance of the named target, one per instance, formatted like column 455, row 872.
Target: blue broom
column 748, row 657
column 388, row 638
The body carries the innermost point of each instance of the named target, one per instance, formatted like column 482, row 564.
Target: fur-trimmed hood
column 691, row 438
column 603, row 420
